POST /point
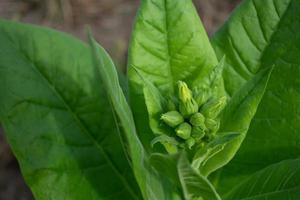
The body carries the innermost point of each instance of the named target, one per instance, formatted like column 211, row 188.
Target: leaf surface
column 184, row 177
column 260, row 34
column 276, row 182
column 151, row 184
column 236, row 118
column 57, row 118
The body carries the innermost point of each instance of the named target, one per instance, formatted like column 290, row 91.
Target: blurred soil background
column 111, row 22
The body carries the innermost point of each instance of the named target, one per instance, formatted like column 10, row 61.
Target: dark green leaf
column 57, row 119
column 276, row 182
column 261, row 34
column 151, row 184
column 237, row 117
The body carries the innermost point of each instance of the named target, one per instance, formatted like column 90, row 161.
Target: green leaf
column 168, row 44
column 261, row 34
column 155, row 103
column 237, row 117
column 151, row 184
column 276, row 182
column 57, row 119
column 211, row 149
column 184, row 177
column 194, row 185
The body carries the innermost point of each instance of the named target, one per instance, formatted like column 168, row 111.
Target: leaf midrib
column 78, row 121
column 168, row 46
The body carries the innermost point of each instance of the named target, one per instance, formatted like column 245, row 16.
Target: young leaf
column 214, row 147
column 278, row 181
column 237, row 117
column 57, row 119
column 178, row 169
column 151, row 185
column 194, row 184
column 168, row 44
column 257, row 35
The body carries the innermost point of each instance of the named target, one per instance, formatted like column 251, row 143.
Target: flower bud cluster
column 195, row 118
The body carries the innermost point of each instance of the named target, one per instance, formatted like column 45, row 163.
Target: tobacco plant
column 193, row 118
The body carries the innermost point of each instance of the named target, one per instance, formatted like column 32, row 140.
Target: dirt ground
column 111, row 22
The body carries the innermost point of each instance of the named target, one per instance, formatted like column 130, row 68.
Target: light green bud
column 187, row 109
column 213, row 108
column 184, row 131
column 212, row 125
column 190, row 142
column 172, row 118
column 184, row 93
column 197, row 132
column 198, row 119
column 187, row 105
column 170, row 148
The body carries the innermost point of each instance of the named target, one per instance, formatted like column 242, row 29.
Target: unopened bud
column 212, row 125
column 172, row 118
column 187, row 105
column 184, row 131
column 213, row 108
column 190, row 142
column 184, row 93
column 189, row 108
column 197, row 132
column 198, row 119
column 170, row 148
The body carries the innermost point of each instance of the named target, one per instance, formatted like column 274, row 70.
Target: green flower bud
column 187, row 109
column 184, row 131
column 190, row 142
column 170, row 148
column 213, row 108
column 172, row 118
column 212, row 125
column 184, row 93
column 187, row 105
column 197, row 132
column 198, row 119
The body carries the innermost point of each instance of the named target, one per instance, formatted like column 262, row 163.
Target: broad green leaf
column 57, row 119
column 168, row 44
column 261, row 34
column 237, row 117
column 184, row 177
column 276, row 182
column 213, row 148
column 194, row 185
column 151, row 184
